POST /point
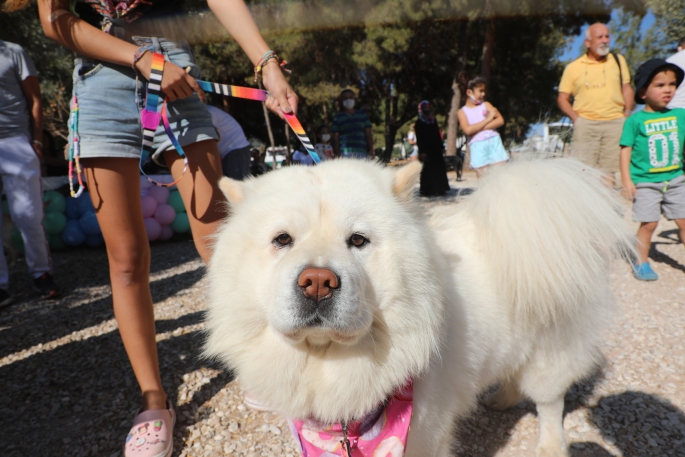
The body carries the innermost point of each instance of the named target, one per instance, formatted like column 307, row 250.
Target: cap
column 647, row 70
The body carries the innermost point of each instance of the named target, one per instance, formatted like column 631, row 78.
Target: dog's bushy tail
column 548, row 229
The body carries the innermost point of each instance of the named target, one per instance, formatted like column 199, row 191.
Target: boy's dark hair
column 321, row 127
column 475, row 82
column 346, row 90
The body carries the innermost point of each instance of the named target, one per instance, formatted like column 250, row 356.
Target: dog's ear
column 232, row 189
column 405, row 180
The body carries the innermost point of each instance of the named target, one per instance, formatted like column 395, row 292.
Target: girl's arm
column 629, row 190
column 236, row 18
column 88, row 41
column 497, row 121
column 469, row 129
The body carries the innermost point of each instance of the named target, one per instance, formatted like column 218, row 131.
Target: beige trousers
column 595, row 143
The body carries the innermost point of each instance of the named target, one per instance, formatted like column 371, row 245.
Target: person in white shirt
column 234, row 148
column 678, row 101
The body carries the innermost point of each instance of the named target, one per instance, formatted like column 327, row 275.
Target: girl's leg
column 644, row 237
column 204, row 201
column 114, row 186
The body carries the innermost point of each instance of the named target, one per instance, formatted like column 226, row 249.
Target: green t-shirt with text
column 657, row 140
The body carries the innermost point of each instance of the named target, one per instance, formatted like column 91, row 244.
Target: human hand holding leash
column 283, row 98
column 176, row 82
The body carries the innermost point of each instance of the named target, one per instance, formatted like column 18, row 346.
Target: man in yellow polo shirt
column 602, row 99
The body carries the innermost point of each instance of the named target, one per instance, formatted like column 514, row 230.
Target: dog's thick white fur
column 509, row 286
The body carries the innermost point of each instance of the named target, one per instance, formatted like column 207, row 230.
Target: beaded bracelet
column 265, row 59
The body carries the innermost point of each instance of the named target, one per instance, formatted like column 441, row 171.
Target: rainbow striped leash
column 150, row 116
column 261, row 96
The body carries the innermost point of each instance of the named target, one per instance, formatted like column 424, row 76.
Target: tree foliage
column 393, row 53
column 670, row 18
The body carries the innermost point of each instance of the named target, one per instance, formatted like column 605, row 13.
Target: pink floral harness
column 381, row 433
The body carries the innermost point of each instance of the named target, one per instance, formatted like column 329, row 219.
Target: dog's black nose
column 318, row 283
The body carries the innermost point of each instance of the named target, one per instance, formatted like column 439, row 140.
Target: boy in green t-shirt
column 651, row 157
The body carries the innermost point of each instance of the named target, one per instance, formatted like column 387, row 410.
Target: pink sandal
column 152, row 434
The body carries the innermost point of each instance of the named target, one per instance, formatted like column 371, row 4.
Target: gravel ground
column 66, row 387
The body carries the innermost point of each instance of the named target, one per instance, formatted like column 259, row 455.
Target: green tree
column 628, row 38
column 670, row 18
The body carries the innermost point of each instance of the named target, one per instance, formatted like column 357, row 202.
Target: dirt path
column 66, row 388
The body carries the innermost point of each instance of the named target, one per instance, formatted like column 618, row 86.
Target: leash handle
column 261, row 95
column 150, row 117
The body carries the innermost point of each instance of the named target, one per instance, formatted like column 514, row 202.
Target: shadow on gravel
column 484, row 432
column 589, row 450
column 658, row 256
column 81, row 397
column 641, row 425
column 45, row 321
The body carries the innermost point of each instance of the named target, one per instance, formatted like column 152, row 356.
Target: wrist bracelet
column 266, row 54
column 39, row 143
column 265, row 59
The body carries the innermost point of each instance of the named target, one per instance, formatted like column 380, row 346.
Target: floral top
column 103, row 13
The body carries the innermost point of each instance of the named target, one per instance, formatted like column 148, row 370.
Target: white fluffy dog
column 510, row 286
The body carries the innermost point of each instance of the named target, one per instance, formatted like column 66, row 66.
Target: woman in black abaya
column 434, row 172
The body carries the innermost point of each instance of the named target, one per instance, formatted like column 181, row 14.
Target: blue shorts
column 110, row 100
column 487, row 152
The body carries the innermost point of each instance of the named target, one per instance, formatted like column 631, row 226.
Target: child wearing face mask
column 351, row 129
column 479, row 121
column 323, row 147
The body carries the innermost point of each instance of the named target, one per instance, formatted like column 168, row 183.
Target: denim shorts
column 110, row 99
column 487, row 152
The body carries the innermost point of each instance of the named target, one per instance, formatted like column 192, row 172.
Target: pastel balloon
column 152, row 228
column 54, row 202
column 84, row 204
column 149, row 205
column 176, row 202
column 165, row 214
column 72, row 208
column 54, row 222
column 89, row 224
column 181, row 223
column 72, row 233
column 95, row 240
column 167, row 232
column 144, row 183
column 161, row 194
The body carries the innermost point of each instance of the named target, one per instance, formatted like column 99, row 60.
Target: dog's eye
column 283, row 240
column 357, row 241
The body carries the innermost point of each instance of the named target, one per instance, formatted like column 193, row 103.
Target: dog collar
column 381, row 432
